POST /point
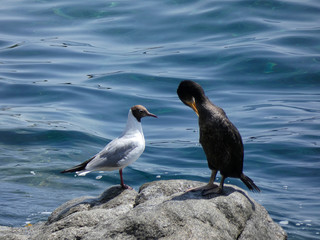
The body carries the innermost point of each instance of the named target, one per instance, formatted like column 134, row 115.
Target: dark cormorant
column 220, row 139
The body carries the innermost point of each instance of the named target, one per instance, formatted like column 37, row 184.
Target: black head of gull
column 140, row 111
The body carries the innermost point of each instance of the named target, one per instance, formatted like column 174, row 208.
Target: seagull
column 120, row 152
column 220, row 139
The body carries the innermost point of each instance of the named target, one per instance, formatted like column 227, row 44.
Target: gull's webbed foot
column 125, row 186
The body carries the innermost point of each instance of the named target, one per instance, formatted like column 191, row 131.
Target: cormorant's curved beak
column 193, row 106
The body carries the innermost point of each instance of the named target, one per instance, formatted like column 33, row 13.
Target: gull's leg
column 124, row 186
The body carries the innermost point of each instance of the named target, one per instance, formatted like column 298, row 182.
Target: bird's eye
column 140, row 111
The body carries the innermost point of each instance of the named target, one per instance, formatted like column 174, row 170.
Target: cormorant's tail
column 249, row 183
column 78, row 168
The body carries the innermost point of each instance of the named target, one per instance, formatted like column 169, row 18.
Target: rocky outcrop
column 161, row 210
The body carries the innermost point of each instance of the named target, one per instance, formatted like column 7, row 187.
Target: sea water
column 70, row 71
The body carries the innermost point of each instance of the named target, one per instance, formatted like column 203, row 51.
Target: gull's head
column 139, row 111
column 188, row 92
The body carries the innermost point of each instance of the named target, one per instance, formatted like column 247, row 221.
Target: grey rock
column 161, row 210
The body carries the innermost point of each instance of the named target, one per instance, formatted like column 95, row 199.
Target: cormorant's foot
column 202, row 188
column 211, row 190
column 125, row 186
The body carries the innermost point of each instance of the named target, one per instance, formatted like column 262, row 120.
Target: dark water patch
column 33, row 137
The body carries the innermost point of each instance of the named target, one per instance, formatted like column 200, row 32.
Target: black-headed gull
column 121, row 151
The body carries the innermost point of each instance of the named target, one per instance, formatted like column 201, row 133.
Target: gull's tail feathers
column 79, row 169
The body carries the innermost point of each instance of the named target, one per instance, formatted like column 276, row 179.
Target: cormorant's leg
column 210, row 184
column 124, row 186
column 215, row 190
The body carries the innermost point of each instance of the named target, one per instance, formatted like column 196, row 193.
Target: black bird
column 220, row 139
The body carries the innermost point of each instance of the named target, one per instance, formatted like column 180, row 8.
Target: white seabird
column 120, row 152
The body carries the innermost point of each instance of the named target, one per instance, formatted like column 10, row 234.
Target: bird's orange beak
column 193, row 106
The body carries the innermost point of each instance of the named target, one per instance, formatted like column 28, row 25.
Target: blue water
column 70, row 71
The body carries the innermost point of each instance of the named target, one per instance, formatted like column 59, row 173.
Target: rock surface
column 161, row 210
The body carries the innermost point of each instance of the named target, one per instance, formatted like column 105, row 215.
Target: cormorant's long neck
column 202, row 103
column 206, row 108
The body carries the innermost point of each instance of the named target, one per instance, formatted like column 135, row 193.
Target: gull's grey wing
column 117, row 154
